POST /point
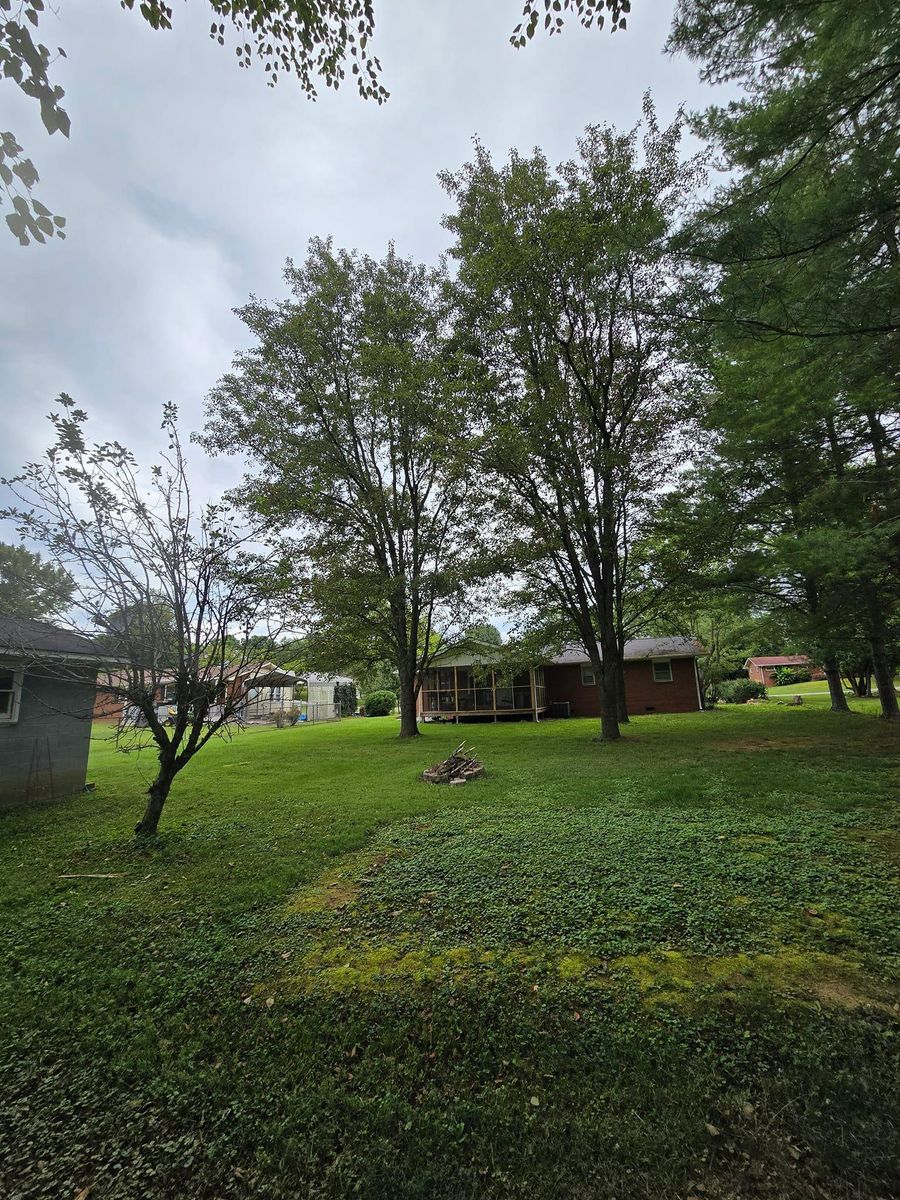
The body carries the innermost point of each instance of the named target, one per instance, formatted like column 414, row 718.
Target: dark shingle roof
column 639, row 648
column 27, row 637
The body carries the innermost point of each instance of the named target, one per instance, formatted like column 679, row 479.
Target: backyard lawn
column 666, row 968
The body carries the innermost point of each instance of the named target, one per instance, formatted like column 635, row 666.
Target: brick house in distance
column 762, row 668
column 660, row 677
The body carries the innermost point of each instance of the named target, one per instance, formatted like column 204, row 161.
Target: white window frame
column 588, row 678
column 659, row 662
column 12, row 716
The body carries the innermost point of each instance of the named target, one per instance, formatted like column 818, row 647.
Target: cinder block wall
column 44, row 755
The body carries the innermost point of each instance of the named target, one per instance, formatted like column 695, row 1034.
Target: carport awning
column 273, row 678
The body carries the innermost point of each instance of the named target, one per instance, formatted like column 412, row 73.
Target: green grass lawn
column 815, row 687
column 666, row 968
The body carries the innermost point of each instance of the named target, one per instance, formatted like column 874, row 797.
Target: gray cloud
column 187, row 182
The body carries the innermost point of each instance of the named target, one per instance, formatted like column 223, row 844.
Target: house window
column 662, row 670
column 10, row 695
column 588, row 678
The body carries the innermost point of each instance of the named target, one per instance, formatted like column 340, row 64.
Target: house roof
column 778, row 660
column 314, row 679
column 639, row 648
column 635, row 650
column 26, row 637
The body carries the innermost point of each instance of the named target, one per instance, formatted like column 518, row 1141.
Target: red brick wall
column 766, row 675
column 107, row 707
column 641, row 692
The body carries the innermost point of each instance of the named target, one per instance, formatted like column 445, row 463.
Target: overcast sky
column 187, row 182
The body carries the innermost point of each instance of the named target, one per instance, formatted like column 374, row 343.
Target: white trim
column 587, row 668
column 12, row 717
column 654, row 662
column 697, row 681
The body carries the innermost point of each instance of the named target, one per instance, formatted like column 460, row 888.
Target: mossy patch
column 671, row 977
column 339, row 886
column 885, row 842
column 668, row 977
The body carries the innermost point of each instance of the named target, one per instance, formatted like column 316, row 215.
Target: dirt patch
column 765, row 744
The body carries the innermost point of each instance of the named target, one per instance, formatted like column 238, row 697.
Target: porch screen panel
column 465, row 689
column 430, row 691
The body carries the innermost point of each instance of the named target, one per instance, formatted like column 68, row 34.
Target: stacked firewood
column 460, row 767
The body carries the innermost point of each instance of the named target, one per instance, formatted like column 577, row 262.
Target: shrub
column 380, row 704
column 739, row 691
column 788, row 676
column 286, row 716
column 345, row 696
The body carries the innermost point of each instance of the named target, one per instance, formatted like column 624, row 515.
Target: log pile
column 460, row 767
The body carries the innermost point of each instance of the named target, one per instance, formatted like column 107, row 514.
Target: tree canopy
column 30, row 586
column 352, row 406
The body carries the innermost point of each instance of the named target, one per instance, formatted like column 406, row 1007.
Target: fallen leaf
column 576, row 1016
column 247, row 999
column 747, row 1110
column 270, row 1001
column 677, row 885
column 712, row 1130
column 84, row 1193
column 535, row 1102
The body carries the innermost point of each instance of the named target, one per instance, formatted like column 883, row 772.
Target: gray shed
column 48, row 678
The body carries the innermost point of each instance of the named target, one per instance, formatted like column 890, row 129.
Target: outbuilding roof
column 778, row 660
column 26, row 637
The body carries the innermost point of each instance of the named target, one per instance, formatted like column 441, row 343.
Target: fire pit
column 460, row 767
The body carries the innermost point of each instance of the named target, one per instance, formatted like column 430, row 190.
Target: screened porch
column 475, row 691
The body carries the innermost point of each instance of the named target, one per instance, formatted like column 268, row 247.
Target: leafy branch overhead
column 313, row 40
column 28, row 63
column 548, row 14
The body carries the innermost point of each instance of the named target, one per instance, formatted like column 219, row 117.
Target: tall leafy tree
column 352, row 407
column 812, row 517
column 802, row 241
column 565, row 289
column 30, row 586
column 807, row 220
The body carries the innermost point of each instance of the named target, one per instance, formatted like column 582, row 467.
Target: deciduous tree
column 565, row 286
column 30, row 586
column 352, row 407
column 171, row 587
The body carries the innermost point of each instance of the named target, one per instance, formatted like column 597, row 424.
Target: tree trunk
column 884, row 678
column 881, row 667
column 409, row 726
column 156, row 798
column 621, row 698
column 609, row 691
column 832, row 670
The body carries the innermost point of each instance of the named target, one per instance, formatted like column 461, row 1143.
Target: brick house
column 762, row 669
column 660, row 677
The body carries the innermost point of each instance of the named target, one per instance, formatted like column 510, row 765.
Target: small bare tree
column 174, row 590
